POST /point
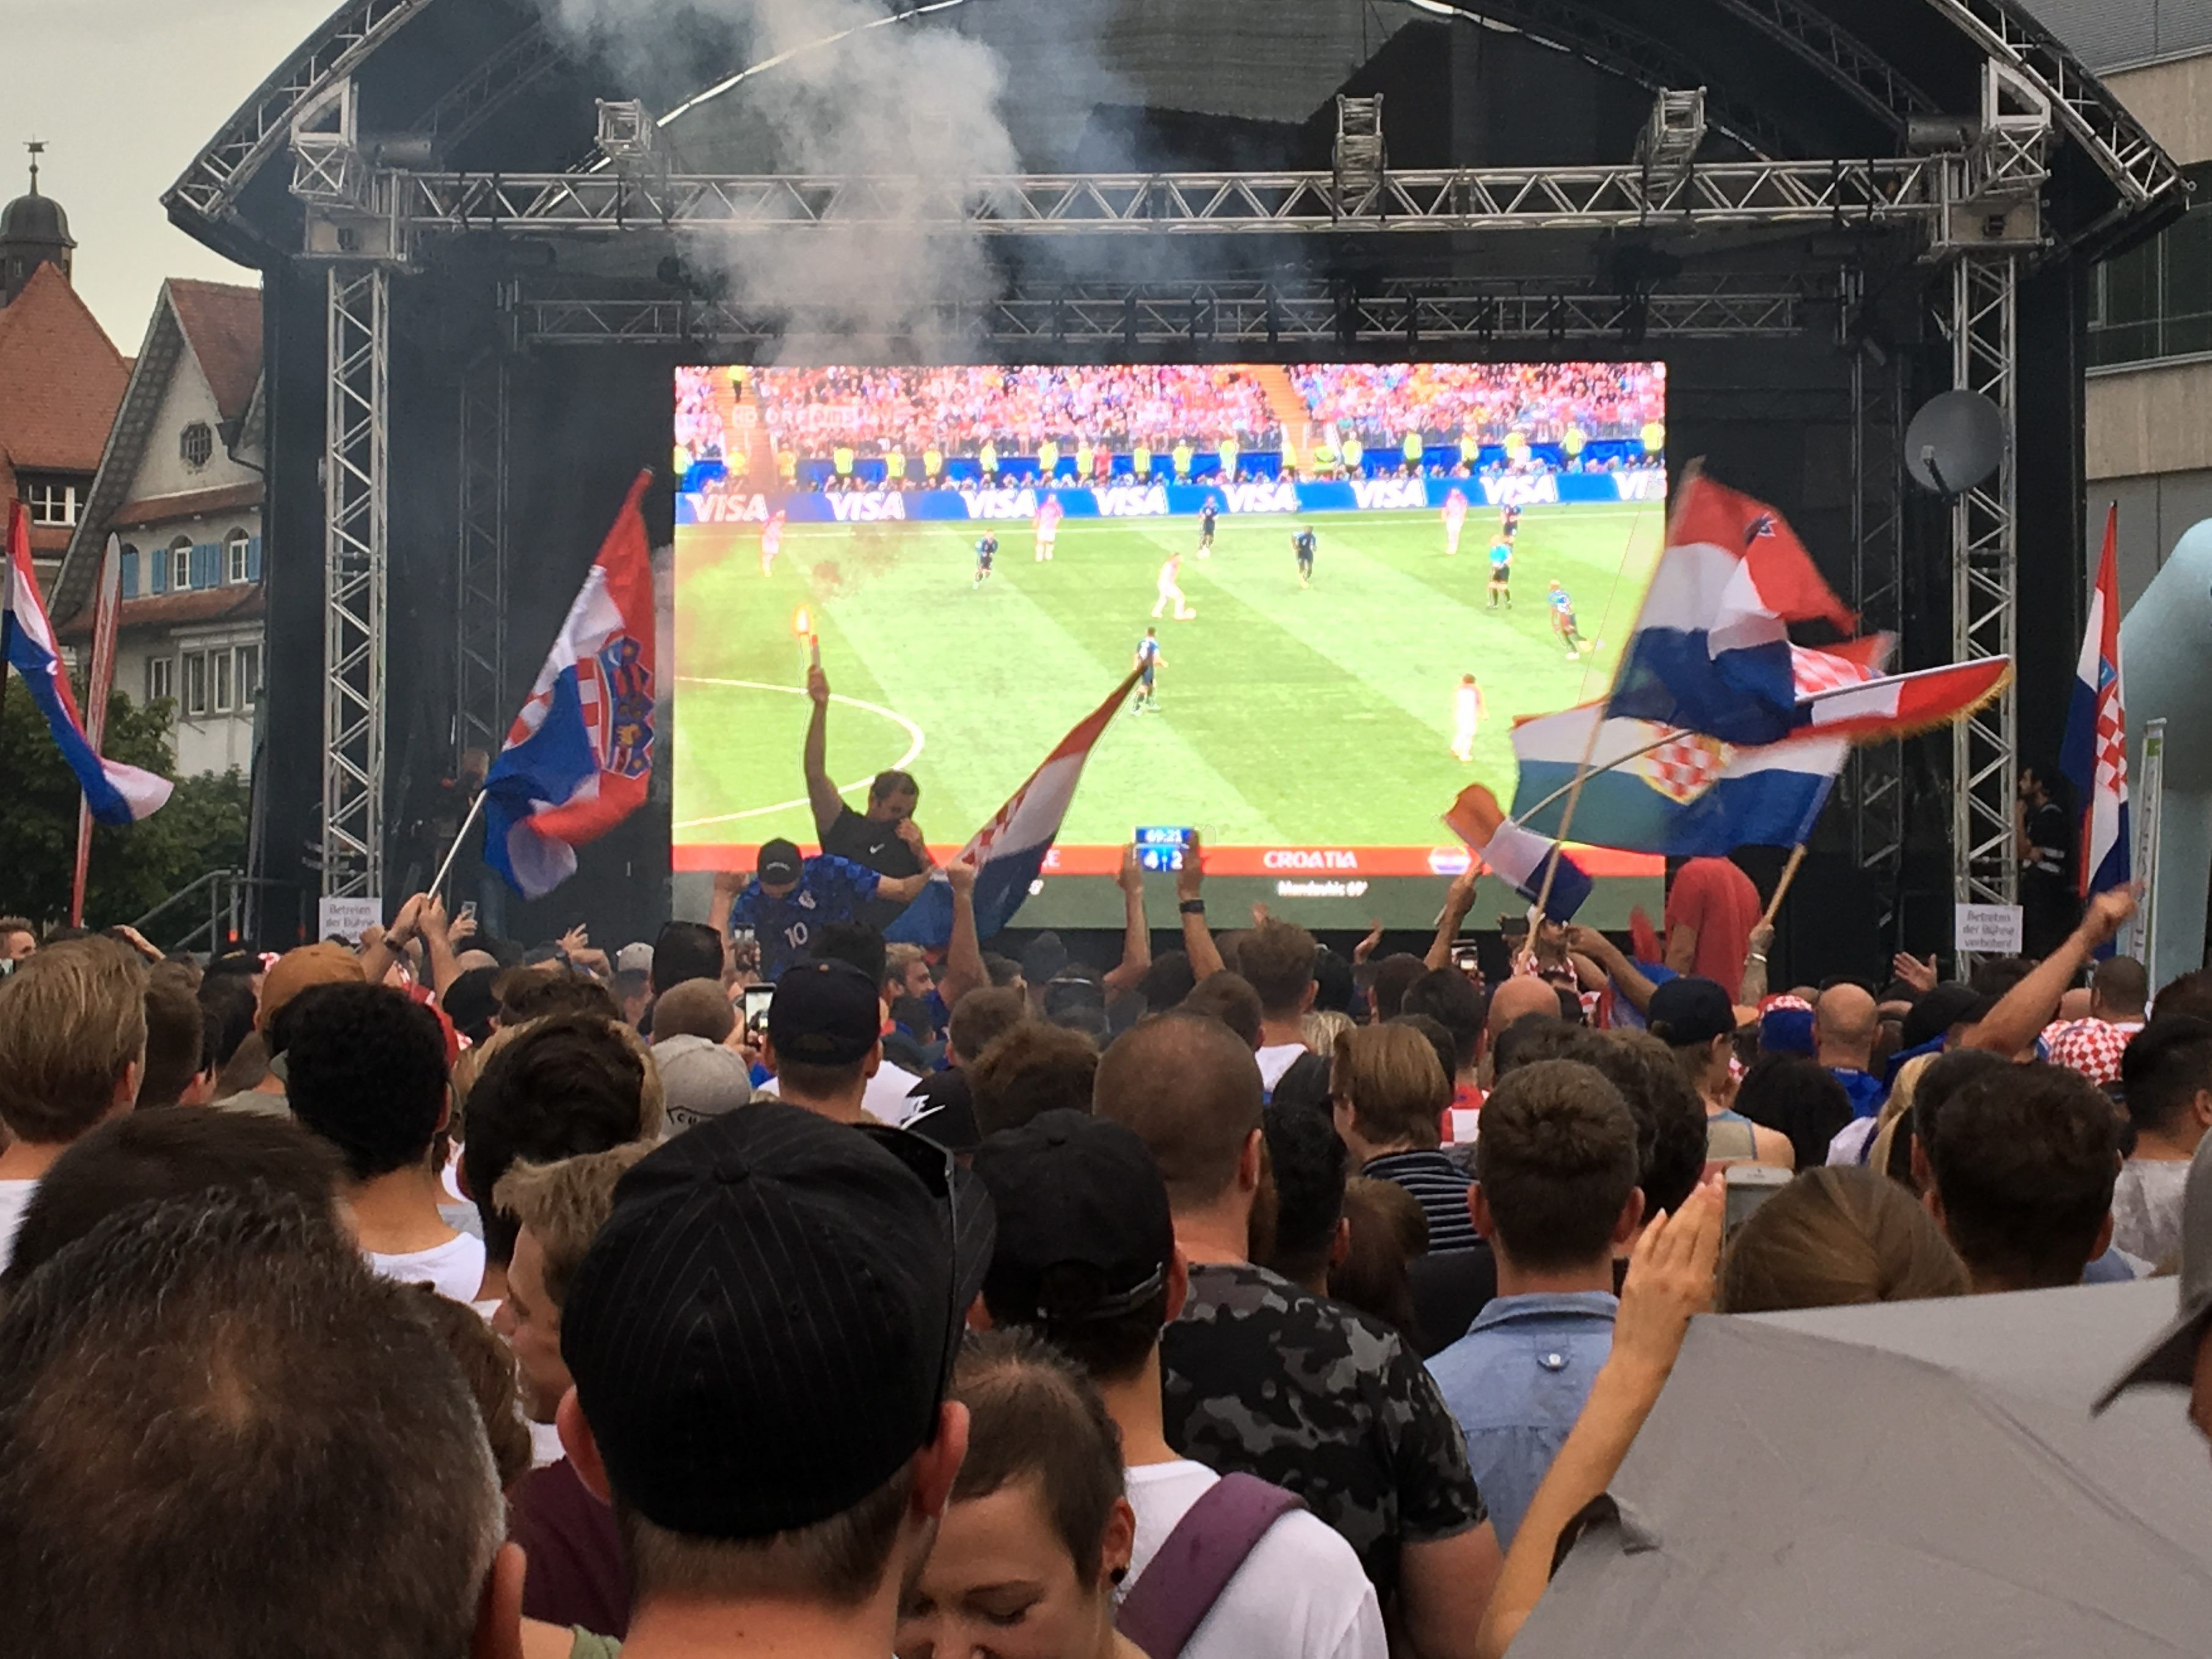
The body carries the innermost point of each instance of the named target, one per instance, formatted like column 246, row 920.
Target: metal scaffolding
column 355, row 546
column 1983, row 328
column 481, row 569
column 398, row 206
column 1874, row 785
column 1401, row 311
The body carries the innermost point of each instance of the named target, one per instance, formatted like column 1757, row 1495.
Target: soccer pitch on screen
column 1313, row 731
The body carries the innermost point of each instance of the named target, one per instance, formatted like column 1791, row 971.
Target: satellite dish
column 1955, row 442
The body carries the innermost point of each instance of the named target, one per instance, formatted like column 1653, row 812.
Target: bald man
column 1845, row 1024
column 1517, row 999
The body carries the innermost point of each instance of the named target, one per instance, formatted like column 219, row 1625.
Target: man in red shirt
column 1711, row 911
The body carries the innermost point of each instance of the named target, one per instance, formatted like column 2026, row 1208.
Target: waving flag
column 1517, row 856
column 1009, row 852
column 579, row 757
column 115, row 793
column 1656, row 788
column 2095, row 755
column 1710, row 649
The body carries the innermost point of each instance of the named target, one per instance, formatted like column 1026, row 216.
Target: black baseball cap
column 763, row 1332
column 1083, row 1229
column 825, row 1013
column 1692, row 1011
column 780, row 862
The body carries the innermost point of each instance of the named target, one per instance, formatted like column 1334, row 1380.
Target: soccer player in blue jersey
column 1303, row 544
column 1148, row 667
column 986, row 550
column 1205, row 529
column 1563, row 621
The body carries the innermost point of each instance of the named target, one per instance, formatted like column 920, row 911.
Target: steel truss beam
column 2123, row 151
column 1402, row 313
column 1983, row 325
column 481, row 585
column 210, row 184
column 1899, row 190
column 1874, row 785
column 356, row 543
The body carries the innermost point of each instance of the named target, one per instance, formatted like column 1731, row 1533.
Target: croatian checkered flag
column 2095, row 756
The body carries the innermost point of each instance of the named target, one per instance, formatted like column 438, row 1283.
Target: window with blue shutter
column 160, row 583
column 253, row 560
column 127, row 567
column 207, row 564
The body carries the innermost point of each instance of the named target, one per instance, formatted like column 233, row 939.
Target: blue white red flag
column 116, row 794
column 1656, row 788
column 1711, row 648
column 1515, row 855
column 579, row 758
column 1009, row 852
column 2095, row 756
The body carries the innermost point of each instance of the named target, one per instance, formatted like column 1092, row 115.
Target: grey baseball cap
column 2172, row 1355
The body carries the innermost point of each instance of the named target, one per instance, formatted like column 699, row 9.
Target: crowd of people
column 828, row 426
column 432, row 1295
column 1542, row 402
column 1016, row 409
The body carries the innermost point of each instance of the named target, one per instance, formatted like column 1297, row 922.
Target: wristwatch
column 1193, row 906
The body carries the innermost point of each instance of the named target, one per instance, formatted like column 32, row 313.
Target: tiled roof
column 222, row 323
column 239, row 603
column 61, row 379
column 189, row 504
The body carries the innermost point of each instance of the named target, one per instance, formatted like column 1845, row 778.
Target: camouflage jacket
column 1314, row 1396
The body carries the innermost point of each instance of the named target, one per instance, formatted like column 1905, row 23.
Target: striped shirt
column 1440, row 1187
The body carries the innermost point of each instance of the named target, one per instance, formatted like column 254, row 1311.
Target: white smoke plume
column 831, row 87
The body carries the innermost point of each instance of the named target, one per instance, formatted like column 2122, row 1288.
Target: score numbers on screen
column 1161, row 850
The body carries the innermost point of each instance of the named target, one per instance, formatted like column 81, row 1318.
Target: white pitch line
column 904, row 761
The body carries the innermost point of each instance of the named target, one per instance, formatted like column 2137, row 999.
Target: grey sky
column 124, row 92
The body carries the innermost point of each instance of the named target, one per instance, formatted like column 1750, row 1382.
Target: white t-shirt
column 14, row 1199
column 1300, row 1595
column 453, row 1269
column 1276, row 1058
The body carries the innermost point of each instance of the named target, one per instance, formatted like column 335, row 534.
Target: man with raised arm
column 884, row 838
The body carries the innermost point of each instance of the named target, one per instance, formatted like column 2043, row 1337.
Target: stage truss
column 1974, row 209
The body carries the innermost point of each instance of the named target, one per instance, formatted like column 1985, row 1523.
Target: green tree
column 134, row 867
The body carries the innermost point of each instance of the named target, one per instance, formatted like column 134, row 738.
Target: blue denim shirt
column 1517, row 1382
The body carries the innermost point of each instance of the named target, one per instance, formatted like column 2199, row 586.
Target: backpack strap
column 1195, row 1562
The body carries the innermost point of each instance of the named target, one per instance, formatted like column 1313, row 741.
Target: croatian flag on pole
column 1517, row 856
column 115, row 793
column 1656, row 788
column 579, row 757
column 1710, row 649
column 1009, row 852
column 2095, row 756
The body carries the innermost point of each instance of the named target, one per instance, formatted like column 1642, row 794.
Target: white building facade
column 180, row 487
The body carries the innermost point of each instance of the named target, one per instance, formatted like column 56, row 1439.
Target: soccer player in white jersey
column 1466, row 717
column 1171, row 591
column 1455, row 520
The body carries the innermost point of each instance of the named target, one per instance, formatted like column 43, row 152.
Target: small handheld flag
column 1517, row 856
column 579, row 758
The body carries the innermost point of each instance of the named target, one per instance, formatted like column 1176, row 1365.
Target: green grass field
column 1286, row 717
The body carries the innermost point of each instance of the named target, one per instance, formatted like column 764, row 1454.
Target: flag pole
column 1781, row 887
column 476, row 811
